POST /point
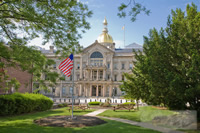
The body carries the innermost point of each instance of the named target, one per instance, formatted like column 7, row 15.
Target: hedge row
column 133, row 103
column 94, row 103
column 18, row 103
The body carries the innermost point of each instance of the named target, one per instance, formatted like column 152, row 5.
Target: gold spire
column 105, row 22
column 105, row 37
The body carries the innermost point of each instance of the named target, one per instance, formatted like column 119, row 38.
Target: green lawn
column 145, row 114
column 24, row 124
column 190, row 131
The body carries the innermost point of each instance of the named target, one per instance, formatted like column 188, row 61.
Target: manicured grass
column 24, row 124
column 145, row 114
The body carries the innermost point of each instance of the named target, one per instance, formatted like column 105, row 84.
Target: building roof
column 133, row 46
column 129, row 48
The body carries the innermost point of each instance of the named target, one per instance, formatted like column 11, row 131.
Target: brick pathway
column 141, row 124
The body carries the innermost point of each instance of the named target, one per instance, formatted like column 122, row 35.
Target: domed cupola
column 105, row 38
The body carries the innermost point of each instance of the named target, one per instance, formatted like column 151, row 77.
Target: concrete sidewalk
column 141, row 124
column 95, row 113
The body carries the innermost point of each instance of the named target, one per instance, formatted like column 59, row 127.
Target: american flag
column 67, row 65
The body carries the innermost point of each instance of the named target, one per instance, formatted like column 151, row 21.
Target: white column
column 81, row 68
column 61, row 89
column 85, row 74
column 91, row 74
column 97, row 74
column 85, row 88
column 104, row 74
column 80, row 90
column 110, row 91
column 104, row 90
column 111, row 67
column 90, row 91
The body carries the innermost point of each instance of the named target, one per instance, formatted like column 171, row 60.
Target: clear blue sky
column 134, row 31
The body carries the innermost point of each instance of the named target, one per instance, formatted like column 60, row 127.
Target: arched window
column 96, row 55
column 96, row 59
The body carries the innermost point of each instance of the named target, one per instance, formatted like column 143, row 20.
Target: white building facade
column 98, row 70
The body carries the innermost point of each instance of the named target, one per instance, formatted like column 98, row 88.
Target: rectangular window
column 115, row 92
column 100, row 74
column 108, row 65
column 94, row 76
column 101, row 62
column 70, row 90
column 115, row 66
column 123, row 66
column 130, row 66
column 108, row 76
column 122, row 77
column 63, row 90
column 53, row 90
column 115, row 78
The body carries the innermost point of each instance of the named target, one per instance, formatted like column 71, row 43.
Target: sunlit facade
column 98, row 69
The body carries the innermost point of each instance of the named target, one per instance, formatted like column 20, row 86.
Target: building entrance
column 94, row 89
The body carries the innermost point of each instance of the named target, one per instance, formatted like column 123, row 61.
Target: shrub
column 63, row 105
column 133, row 103
column 18, row 103
column 107, row 104
column 94, row 103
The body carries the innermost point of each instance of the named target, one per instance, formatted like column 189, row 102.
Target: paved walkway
column 99, row 111
column 141, row 124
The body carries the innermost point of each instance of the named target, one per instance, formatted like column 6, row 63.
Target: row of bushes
column 18, row 103
column 107, row 103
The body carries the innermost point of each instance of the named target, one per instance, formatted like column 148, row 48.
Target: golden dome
column 105, row 37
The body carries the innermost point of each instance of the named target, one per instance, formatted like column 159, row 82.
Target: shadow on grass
column 109, row 127
column 37, row 115
column 80, row 111
column 131, row 111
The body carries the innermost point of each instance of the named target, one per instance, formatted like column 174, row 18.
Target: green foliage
column 134, row 9
column 105, row 104
column 131, row 103
column 94, row 103
column 18, row 103
column 167, row 71
column 145, row 114
column 24, row 123
column 58, row 22
column 63, row 105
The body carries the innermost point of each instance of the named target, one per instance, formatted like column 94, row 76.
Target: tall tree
column 132, row 9
column 170, row 62
column 59, row 22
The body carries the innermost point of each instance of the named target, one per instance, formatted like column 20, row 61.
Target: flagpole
column 73, row 87
column 124, row 35
column 61, row 89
